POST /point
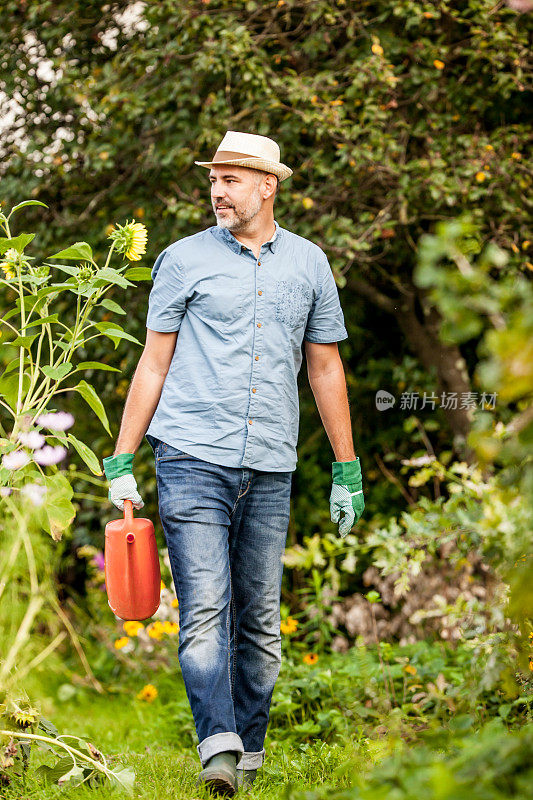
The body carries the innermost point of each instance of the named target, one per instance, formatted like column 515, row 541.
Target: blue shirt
column 230, row 396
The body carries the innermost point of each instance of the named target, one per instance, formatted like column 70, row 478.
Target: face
column 236, row 196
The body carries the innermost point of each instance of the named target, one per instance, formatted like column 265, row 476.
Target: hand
column 346, row 494
column 122, row 484
column 124, row 488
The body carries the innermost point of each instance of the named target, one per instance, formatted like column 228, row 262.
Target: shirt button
column 259, row 292
column 257, row 358
column 258, row 324
column 254, row 390
column 250, row 421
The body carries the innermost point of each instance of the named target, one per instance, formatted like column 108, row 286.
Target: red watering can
column 132, row 573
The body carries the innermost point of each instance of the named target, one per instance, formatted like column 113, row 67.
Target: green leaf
column 24, row 341
column 26, row 203
column 57, row 512
column 65, row 268
column 18, row 242
column 57, row 373
column 79, row 250
column 86, row 454
column 52, row 774
column 139, row 273
column 115, row 333
column 92, row 399
column 9, row 385
column 109, row 275
column 123, row 778
column 95, row 365
column 112, row 306
column 43, row 320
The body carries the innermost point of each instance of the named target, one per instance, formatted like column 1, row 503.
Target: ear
column 271, row 185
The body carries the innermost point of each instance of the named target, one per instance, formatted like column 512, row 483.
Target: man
column 219, row 405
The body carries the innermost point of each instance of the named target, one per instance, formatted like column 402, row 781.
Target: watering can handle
column 128, row 512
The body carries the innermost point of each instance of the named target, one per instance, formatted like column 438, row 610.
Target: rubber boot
column 245, row 778
column 219, row 774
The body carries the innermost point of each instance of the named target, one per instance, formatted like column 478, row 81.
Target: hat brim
column 280, row 170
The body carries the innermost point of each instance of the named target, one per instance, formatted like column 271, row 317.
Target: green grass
column 332, row 736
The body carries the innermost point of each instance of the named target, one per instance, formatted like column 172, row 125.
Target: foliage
column 27, row 730
column 388, row 113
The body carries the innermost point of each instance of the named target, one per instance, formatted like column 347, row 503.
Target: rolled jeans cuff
column 219, row 743
column 252, row 760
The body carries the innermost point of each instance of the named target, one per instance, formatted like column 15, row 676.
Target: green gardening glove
column 346, row 494
column 122, row 484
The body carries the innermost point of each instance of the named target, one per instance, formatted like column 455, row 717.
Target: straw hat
column 249, row 150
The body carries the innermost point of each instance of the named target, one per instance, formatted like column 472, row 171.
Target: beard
column 238, row 217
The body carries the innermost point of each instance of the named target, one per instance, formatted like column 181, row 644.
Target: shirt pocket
column 219, row 300
column 293, row 301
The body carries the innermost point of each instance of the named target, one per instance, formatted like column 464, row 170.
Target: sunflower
column 9, row 263
column 130, row 239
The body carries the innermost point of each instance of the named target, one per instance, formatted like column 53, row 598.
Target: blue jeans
column 225, row 529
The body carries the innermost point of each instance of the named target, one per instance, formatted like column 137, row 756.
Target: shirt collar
column 226, row 236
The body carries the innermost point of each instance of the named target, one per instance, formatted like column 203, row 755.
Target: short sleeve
column 326, row 320
column 167, row 301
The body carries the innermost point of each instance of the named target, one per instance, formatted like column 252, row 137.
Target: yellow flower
column 122, row 642
column 456, row 118
column 310, row 658
column 290, row 625
column 130, row 239
column 170, row 627
column 531, row 664
column 480, row 177
column 516, row 156
column 377, row 49
column 132, row 627
column 155, row 631
column 148, row 693
column 514, row 248
column 104, row 155
column 314, row 98
column 308, row 202
column 109, row 228
column 489, row 147
column 175, row 603
column 410, row 669
column 525, row 244
column 139, row 212
column 336, row 102
column 9, row 262
column 438, row 64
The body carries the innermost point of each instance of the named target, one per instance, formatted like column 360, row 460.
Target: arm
column 326, row 378
column 145, row 389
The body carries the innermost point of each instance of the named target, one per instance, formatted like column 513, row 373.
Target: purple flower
column 5, row 491
column 99, row 561
column 34, row 492
column 32, row 439
column 49, row 455
column 56, row 421
column 15, row 459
